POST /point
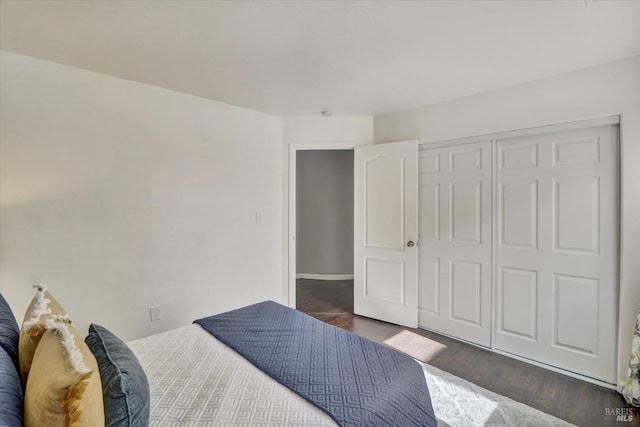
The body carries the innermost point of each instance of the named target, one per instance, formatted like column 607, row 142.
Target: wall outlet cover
column 154, row 312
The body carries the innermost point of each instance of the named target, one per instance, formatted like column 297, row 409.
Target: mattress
column 194, row 379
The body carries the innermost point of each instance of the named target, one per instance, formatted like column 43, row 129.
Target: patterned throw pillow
column 124, row 384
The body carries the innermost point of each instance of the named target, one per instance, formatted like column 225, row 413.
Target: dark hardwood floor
column 570, row 399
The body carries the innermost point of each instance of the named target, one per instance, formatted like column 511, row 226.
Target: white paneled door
column 455, row 241
column 557, row 249
column 386, row 232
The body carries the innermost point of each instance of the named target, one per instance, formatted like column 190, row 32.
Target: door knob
column 410, row 243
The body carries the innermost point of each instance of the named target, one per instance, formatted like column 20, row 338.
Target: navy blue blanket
column 356, row 381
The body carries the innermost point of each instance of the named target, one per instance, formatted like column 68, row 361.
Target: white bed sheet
column 195, row 379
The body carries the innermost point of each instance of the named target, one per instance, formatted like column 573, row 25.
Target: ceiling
column 299, row 57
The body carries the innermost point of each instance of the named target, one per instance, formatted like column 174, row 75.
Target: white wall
column 119, row 195
column 306, row 129
column 595, row 92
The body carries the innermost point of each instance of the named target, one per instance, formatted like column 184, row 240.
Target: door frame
column 290, row 289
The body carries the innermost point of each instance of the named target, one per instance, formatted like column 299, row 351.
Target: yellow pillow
column 43, row 307
column 64, row 387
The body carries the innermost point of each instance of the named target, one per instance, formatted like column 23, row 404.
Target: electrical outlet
column 155, row 313
column 258, row 217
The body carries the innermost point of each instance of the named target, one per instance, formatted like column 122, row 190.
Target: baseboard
column 311, row 276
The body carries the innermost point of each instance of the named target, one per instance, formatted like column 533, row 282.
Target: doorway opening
column 321, row 230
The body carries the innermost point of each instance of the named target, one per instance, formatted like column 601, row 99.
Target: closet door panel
column 455, row 241
column 429, row 206
column 518, row 302
column 465, row 211
column 464, row 287
column 575, row 313
column 576, row 205
column 429, row 280
column 518, row 213
column 557, row 219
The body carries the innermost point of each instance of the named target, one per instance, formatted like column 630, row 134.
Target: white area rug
column 459, row 403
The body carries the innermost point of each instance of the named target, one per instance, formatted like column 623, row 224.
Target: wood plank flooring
column 570, row 399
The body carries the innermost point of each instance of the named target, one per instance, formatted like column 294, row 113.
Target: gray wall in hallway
column 324, row 211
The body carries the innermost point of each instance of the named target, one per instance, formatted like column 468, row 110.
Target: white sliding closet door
column 454, row 273
column 557, row 249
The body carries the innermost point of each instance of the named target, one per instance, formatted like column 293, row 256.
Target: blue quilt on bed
column 356, row 381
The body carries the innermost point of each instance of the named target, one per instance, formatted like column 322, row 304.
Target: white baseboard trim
column 311, row 276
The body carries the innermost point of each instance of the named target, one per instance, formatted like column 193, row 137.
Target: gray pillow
column 125, row 387
column 10, row 393
column 9, row 332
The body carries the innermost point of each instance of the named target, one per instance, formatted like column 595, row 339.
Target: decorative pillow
column 10, row 393
column 63, row 388
column 9, row 332
column 124, row 384
column 630, row 389
column 42, row 308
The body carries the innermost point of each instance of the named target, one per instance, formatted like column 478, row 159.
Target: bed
column 285, row 368
column 263, row 364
